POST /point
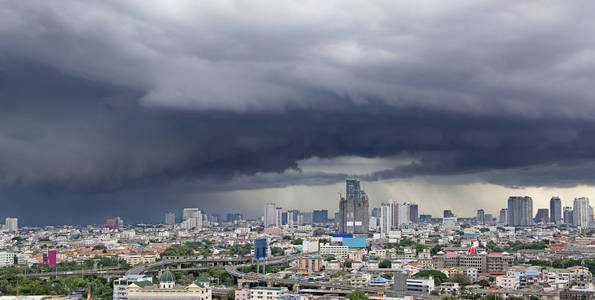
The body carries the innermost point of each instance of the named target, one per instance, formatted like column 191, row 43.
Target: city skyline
column 280, row 103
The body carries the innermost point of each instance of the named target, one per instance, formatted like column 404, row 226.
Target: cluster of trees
column 270, row 269
column 203, row 248
column 565, row 263
column 517, row 245
column 10, row 283
column 438, row 276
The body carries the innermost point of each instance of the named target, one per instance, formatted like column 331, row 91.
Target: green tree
column 438, row 276
column 357, row 295
column 297, row 242
column 384, row 264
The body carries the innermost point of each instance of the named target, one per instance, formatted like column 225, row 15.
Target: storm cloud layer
column 115, row 105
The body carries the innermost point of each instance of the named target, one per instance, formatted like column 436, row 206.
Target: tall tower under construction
column 353, row 209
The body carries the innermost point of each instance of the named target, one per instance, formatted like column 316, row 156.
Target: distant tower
column 555, row 210
column 12, row 224
column 520, row 211
column 353, row 209
column 170, row 218
column 583, row 212
column 414, row 213
column 568, row 215
column 270, row 215
column 480, row 216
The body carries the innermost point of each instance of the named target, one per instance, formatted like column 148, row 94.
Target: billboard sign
column 260, row 248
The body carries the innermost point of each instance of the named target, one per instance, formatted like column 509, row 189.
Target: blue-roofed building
column 379, row 281
column 354, row 242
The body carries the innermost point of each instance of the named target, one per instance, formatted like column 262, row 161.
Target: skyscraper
column 520, row 211
column 555, row 210
column 404, row 210
column 568, row 215
column 270, row 215
column 503, row 219
column 170, row 218
column 542, row 216
column 278, row 216
column 12, row 224
column 189, row 213
column 480, row 216
column 353, row 209
column 320, row 216
column 414, row 213
column 386, row 217
column 582, row 212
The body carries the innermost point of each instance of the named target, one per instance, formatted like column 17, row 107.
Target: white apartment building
column 332, row 250
column 6, row 259
column 508, row 282
column 269, row 293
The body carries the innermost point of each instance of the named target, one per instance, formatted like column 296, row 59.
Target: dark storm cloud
column 110, row 104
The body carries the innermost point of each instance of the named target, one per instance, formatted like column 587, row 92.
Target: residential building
column 268, row 293
column 311, row 263
column 568, row 215
column 12, row 224
column 320, row 216
column 520, row 211
column 542, row 216
column 334, row 250
column 480, row 216
column 6, row 259
column 270, row 215
column 414, row 213
column 170, row 218
column 582, row 212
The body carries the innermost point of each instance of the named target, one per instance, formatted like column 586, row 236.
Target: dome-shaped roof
column 167, row 276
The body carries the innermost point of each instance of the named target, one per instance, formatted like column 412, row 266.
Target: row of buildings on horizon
column 354, row 215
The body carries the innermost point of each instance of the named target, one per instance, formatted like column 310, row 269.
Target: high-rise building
column 233, row 217
column 404, row 210
column 353, row 209
column 480, row 216
column 448, row 213
column 425, row 218
column 555, row 210
column 489, row 219
column 568, row 215
column 270, row 215
column 520, row 211
column 414, row 213
column 12, row 224
column 582, row 212
column 193, row 218
column 386, row 217
column 320, row 216
column 503, row 219
column 542, row 216
column 376, row 212
column 278, row 216
column 189, row 213
column 170, row 218
column 307, row 217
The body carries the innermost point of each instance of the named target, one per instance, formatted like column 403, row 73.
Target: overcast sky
column 134, row 109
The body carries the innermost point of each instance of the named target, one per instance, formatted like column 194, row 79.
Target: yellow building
column 167, row 289
column 134, row 260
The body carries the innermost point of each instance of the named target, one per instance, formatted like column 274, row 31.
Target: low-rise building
column 268, row 293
